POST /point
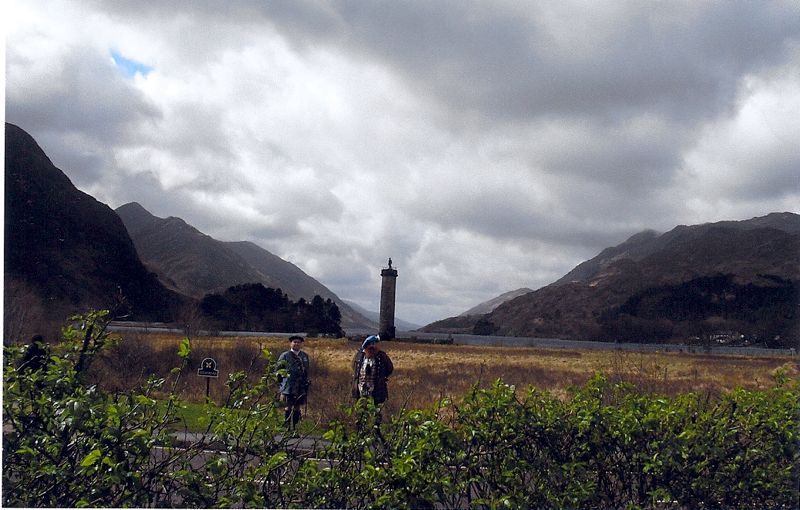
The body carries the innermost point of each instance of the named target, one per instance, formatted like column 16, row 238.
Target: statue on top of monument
column 390, row 262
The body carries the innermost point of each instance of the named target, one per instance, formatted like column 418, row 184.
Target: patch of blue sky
column 129, row 67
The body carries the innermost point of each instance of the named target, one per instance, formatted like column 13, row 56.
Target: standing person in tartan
column 371, row 370
column 294, row 385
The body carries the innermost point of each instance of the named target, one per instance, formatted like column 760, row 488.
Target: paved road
column 306, row 444
column 160, row 327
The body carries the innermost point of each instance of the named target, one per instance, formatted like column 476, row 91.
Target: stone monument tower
column 388, row 285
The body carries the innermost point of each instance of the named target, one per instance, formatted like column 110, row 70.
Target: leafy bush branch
column 69, row 442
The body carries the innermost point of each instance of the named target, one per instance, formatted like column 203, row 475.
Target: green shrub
column 69, row 442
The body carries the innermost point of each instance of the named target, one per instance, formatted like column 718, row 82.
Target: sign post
column 208, row 369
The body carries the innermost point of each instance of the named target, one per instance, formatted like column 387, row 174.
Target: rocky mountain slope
column 737, row 277
column 490, row 305
column 644, row 244
column 68, row 250
column 196, row 264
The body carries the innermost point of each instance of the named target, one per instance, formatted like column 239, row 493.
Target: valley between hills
column 730, row 282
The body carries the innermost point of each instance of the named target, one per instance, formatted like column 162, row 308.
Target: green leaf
column 92, row 458
column 184, row 349
column 145, row 401
column 26, row 450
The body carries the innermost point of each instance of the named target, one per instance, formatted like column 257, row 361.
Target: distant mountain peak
column 490, row 305
column 741, row 276
column 196, row 264
column 137, row 217
column 66, row 245
column 643, row 236
column 134, row 206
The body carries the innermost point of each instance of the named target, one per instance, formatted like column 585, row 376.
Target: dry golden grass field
column 425, row 373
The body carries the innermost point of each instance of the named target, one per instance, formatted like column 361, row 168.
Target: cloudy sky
column 484, row 146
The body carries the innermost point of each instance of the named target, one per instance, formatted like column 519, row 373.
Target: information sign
column 208, row 368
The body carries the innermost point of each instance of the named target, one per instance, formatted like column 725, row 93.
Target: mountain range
column 66, row 252
column 490, row 305
column 195, row 264
column 729, row 276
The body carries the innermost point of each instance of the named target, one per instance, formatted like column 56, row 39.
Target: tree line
column 766, row 314
column 253, row 307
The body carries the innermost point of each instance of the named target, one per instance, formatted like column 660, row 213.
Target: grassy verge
column 192, row 416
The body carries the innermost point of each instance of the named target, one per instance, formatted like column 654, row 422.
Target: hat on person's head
column 296, row 337
column 370, row 340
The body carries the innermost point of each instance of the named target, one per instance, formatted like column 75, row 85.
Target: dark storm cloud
column 507, row 214
column 780, row 179
column 638, row 155
column 79, row 157
column 678, row 65
column 681, row 60
column 520, row 59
